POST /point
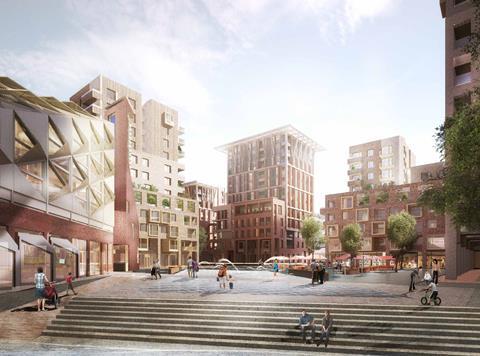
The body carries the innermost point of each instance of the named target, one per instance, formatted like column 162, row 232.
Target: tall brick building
column 461, row 77
column 270, row 191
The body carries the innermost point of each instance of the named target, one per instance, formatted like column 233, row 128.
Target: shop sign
column 436, row 243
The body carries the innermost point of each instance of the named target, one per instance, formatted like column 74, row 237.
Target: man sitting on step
column 307, row 322
column 327, row 323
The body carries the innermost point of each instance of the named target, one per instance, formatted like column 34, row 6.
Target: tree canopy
column 459, row 196
column 351, row 239
column 312, row 232
column 401, row 230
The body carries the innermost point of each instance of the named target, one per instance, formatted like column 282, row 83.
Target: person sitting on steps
column 307, row 322
column 326, row 327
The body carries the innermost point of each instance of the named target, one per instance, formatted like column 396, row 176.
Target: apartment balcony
column 181, row 141
column 353, row 171
column 354, row 159
column 181, row 154
column 90, row 97
column 462, row 79
column 181, row 167
column 94, row 109
column 181, row 130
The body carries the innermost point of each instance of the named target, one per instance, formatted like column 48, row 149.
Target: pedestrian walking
column 40, row 279
column 321, row 273
column 326, row 327
column 69, row 281
column 314, row 268
column 435, row 270
column 222, row 276
column 413, row 276
column 194, row 269
column 156, row 265
column 275, row 268
column 189, row 266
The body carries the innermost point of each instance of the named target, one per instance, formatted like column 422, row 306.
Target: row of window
column 386, row 150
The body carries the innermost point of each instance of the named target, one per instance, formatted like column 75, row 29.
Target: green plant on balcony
column 402, row 196
column 365, row 200
column 152, row 199
column 382, row 197
column 166, row 203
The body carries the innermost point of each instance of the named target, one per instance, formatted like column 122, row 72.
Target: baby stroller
column 51, row 295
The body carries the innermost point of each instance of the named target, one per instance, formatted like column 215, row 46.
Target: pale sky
column 342, row 71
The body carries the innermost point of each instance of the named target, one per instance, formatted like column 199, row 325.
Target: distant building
column 208, row 197
column 370, row 210
column 379, row 162
column 270, row 190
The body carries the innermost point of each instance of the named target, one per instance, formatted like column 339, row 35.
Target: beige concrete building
column 155, row 146
column 379, row 162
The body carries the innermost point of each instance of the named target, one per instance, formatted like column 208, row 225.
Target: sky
column 343, row 72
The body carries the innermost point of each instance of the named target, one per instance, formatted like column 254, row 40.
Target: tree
column 459, row 141
column 402, row 233
column 311, row 232
column 350, row 239
column 202, row 240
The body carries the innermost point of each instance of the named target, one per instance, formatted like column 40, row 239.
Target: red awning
column 364, row 257
column 343, row 257
column 385, row 257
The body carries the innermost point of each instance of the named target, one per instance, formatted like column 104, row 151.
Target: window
column 167, row 181
column 132, row 131
column 145, row 162
column 167, row 168
column 380, row 214
column 432, row 224
column 362, row 215
column 332, row 230
column 387, row 162
column 371, row 164
column 331, row 204
column 463, row 74
column 330, row 217
column 347, row 202
column 346, row 215
column 356, row 177
column 154, row 215
column 132, row 145
column 378, row 228
column 387, row 150
column 387, row 173
column 370, row 176
column 166, row 143
column 415, row 211
column 133, row 102
column 462, row 34
column 133, row 159
column 112, row 118
column 462, row 100
column 173, row 231
column 111, row 95
column 134, row 173
column 167, row 192
column 146, row 175
column 153, row 229
column 166, row 155
column 458, row 2
column 138, row 197
column 143, row 227
column 370, row 153
column 143, row 213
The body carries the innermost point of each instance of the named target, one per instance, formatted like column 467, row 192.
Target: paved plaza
column 24, row 327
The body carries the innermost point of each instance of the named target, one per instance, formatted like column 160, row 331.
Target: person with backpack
column 195, row 269
column 222, row 276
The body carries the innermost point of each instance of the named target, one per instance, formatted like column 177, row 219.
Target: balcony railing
column 93, row 109
column 181, row 130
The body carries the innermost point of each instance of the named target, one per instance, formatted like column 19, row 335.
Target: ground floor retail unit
column 22, row 253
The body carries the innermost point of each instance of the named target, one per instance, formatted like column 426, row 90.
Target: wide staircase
column 358, row 329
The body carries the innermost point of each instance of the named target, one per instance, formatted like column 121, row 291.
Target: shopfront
column 8, row 247
column 81, row 246
column 35, row 252
column 95, row 257
column 66, row 256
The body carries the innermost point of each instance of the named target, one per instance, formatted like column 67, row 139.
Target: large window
column 6, row 268
column 463, row 74
column 347, row 202
column 65, row 262
column 82, row 256
column 111, row 95
column 94, row 258
column 362, row 215
column 32, row 258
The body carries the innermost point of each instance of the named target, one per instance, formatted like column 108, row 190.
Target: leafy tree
column 402, row 233
column 350, row 239
column 459, row 196
column 312, row 233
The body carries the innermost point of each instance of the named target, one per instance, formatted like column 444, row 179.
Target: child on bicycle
column 433, row 287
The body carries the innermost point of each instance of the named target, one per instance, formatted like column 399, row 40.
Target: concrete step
column 405, row 334
column 79, row 314
column 260, row 304
column 268, row 310
column 260, row 327
column 259, row 316
column 153, row 305
column 381, row 348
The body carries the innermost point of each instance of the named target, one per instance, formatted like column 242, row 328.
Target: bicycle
column 426, row 299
